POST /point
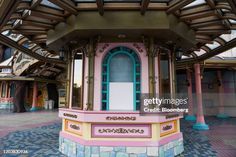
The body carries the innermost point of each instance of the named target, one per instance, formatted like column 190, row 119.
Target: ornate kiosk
column 114, row 126
column 113, row 60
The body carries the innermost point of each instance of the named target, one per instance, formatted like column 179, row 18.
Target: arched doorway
column 121, row 80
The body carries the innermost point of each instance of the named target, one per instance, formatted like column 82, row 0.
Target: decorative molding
column 168, row 128
column 103, row 48
column 139, row 48
column 73, row 127
column 121, row 130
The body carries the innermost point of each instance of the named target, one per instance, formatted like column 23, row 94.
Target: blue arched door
column 121, row 80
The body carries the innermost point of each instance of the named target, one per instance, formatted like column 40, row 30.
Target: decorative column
column 68, row 79
column 200, row 123
column 190, row 116
column 221, row 113
column 91, row 57
column 35, row 97
column 7, row 90
column 71, row 83
column 151, row 67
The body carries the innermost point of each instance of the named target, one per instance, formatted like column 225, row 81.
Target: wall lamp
column 62, row 53
column 179, row 53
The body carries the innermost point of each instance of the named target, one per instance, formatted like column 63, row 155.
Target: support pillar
column 68, row 80
column 200, row 123
column 190, row 116
column 221, row 113
column 151, row 67
column 35, row 97
column 91, row 57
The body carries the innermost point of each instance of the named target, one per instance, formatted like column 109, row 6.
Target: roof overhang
column 132, row 24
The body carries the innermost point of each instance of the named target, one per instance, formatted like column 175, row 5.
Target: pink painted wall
column 101, row 51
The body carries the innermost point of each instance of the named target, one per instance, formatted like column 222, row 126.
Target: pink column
column 190, row 115
column 35, row 99
column 221, row 113
column 200, row 123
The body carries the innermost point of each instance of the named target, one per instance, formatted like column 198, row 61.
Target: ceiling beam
column 10, row 43
column 37, row 24
column 232, row 4
column 35, row 3
column 227, row 46
column 198, row 15
column 205, row 24
column 144, row 6
column 66, row 5
column 100, row 6
column 47, row 16
column 211, row 3
column 6, row 9
column 197, row 9
column 177, row 4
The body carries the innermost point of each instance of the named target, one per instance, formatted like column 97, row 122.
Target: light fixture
column 121, row 36
column 179, row 53
column 62, row 53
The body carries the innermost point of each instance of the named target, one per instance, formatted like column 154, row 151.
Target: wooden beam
column 66, row 5
column 211, row 3
column 41, row 20
column 214, row 32
column 48, row 10
column 37, row 24
column 206, row 48
column 213, row 27
column 47, row 16
column 100, row 6
column 35, row 3
column 198, row 15
column 227, row 46
column 121, row 6
column 220, row 40
column 197, row 9
column 144, row 6
column 177, row 4
column 232, row 4
column 205, row 24
column 6, row 9
column 10, row 43
column 204, row 19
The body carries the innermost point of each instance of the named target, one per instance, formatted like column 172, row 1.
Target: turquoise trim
column 200, row 126
column 190, row 118
column 222, row 116
column 33, row 109
column 106, row 65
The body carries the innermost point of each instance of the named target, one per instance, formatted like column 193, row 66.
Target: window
column 12, row 89
column 120, row 65
column 78, row 82
column 164, row 73
column 4, row 90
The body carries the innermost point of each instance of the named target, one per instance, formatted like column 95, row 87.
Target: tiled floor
column 38, row 134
